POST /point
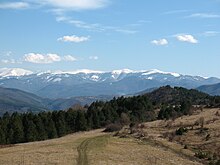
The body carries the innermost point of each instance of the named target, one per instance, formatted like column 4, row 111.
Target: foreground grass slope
column 92, row 147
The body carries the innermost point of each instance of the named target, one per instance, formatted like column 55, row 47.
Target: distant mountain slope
column 12, row 100
column 210, row 89
column 60, row 84
column 62, row 104
column 16, row 100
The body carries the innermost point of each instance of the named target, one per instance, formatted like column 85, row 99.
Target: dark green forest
column 27, row 127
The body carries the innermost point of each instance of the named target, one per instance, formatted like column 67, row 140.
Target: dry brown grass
column 195, row 139
column 128, row 151
column 57, row 151
column 99, row 149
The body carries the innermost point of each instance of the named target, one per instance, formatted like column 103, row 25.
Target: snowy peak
column 156, row 71
column 14, row 72
column 126, row 71
column 80, row 71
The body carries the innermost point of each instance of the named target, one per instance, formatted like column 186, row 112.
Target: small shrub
column 215, row 156
column 218, row 162
column 196, row 123
column 203, row 131
column 171, row 136
column 201, row 122
column 181, row 131
column 169, row 124
column 125, row 120
column 217, row 114
column 207, row 137
column 201, row 155
column 185, row 146
column 113, row 127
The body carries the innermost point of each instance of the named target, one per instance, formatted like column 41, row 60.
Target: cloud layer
column 14, row 5
column 204, row 15
column 58, row 4
column 73, row 38
column 93, row 57
column 47, row 58
column 72, row 4
column 69, row 58
column 41, row 58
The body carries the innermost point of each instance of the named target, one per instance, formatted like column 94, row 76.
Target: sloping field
column 203, row 139
column 56, row 151
column 92, row 147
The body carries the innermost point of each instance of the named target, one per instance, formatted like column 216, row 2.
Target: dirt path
column 82, row 159
column 87, row 145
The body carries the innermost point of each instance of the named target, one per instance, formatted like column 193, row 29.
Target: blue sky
column 171, row 35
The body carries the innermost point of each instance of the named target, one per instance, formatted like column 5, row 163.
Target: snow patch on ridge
column 57, row 80
column 95, row 78
column 155, row 71
column 15, row 72
column 126, row 71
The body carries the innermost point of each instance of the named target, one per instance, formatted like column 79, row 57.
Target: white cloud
column 10, row 61
column 73, row 38
column 41, row 58
column 69, row 58
column 186, row 38
column 210, row 33
column 160, row 42
column 57, row 4
column 74, row 4
column 93, row 57
column 14, row 5
column 204, row 15
column 174, row 12
column 8, row 53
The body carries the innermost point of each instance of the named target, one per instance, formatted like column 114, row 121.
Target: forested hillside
column 171, row 103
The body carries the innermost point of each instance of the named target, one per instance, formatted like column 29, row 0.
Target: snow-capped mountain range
column 7, row 72
column 64, row 84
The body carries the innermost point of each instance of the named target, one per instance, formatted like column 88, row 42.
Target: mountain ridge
column 8, row 72
column 12, row 100
column 63, row 84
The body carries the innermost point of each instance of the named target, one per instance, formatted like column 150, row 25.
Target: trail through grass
column 87, row 145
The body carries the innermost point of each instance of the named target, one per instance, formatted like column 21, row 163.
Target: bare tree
column 125, row 119
column 201, row 122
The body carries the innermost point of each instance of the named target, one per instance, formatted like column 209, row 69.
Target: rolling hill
column 169, row 95
column 210, row 89
column 16, row 100
column 12, row 100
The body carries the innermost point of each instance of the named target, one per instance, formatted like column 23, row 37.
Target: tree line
column 171, row 103
column 27, row 127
